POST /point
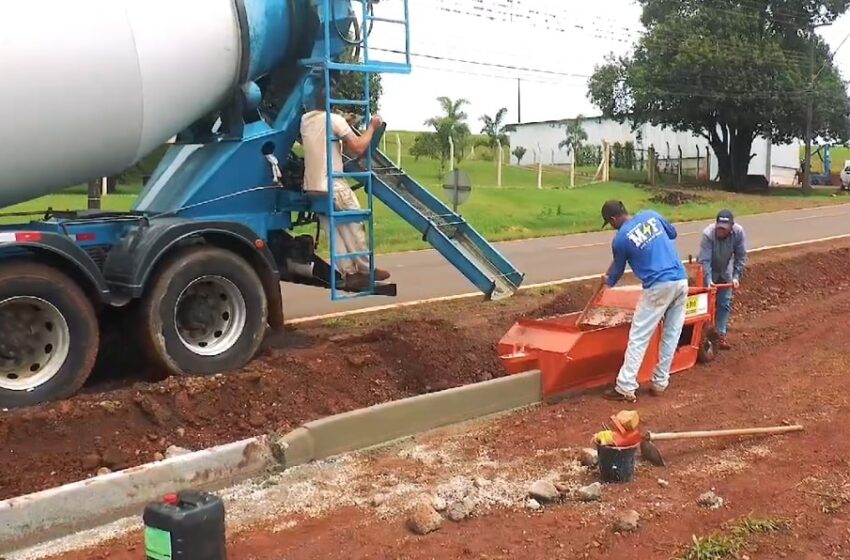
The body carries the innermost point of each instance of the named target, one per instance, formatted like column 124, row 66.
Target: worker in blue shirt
column 645, row 242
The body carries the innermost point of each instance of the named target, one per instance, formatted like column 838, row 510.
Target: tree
column 519, row 153
column 494, row 129
column 426, row 145
column 575, row 137
column 451, row 124
column 730, row 72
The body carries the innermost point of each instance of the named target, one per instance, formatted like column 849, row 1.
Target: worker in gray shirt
column 723, row 255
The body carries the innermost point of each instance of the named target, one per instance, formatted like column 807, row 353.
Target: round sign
column 457, row 187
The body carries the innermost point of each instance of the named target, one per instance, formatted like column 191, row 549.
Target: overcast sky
column 555, row 62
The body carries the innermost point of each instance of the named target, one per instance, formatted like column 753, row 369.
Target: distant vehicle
column 845, row 176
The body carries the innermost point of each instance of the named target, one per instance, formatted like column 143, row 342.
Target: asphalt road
column 426, row 274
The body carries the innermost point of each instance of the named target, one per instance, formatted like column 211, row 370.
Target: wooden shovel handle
column 720, row 433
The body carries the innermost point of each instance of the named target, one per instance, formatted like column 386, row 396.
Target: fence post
column 707, row 164
column 650, row 169
column 680, row 165
column 607, row 162
column 499, row 164
column 699, row 162
column 540, row 174
column 398, row 150
column 573, row 170
column 451, row 153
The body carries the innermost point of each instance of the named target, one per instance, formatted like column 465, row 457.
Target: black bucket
column 616, row 464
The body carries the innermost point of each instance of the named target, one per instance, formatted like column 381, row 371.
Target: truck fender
column 58, row 250
column 133, row 260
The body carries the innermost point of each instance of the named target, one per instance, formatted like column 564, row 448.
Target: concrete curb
column 82, row 505
column 85, row 504
column 383, row 423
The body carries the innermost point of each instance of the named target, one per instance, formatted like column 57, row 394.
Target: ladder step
column 372, row 67
column 351, row 175
column 349, row 256
column 403, row 22
column 351, row 102
column 351, row 216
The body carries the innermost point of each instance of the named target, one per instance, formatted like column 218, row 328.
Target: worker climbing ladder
column 442, row 228
column 362, row 63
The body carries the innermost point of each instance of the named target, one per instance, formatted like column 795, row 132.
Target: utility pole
column 519, row 100
column 810, row 109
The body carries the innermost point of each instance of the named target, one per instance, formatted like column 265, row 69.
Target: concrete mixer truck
column 88, row 88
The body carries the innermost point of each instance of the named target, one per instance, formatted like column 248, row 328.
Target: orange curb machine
column 585, row 350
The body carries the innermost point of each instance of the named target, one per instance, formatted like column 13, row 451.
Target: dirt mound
column 674, row 198
column 326, row 369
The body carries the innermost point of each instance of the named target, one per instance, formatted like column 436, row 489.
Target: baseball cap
column 725, row 219
column 612, row 209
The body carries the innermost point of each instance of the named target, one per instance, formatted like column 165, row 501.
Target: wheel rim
column 34, row 342
column 210, row 315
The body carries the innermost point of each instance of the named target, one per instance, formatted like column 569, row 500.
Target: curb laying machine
column 90, row 88
column 584, row 350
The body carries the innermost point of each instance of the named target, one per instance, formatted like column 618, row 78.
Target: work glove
column 736, row 283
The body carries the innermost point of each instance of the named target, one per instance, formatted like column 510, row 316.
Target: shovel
column 651, row 453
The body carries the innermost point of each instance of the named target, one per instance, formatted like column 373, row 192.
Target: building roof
column 557, row 121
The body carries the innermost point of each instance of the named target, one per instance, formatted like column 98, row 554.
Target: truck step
column 448, row 232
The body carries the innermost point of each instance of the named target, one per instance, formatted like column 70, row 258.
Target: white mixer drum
column 89, row 87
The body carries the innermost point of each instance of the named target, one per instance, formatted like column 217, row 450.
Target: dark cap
column 725, row 219
column 612, row 209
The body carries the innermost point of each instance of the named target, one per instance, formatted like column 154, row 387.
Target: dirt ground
column 789, row 365
column 324, row 369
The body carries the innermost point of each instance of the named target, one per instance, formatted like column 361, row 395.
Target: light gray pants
column 666, row 301
column 350, row 237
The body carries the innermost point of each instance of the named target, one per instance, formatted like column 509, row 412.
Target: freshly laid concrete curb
column 382, row 423
column 38, row 517
column 88, row 503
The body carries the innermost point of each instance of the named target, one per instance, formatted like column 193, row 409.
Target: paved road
column 425, row 274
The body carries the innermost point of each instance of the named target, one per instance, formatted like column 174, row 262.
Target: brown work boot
column 381, row 275
column 357, row 282
column 722, row 343
column 616, row 394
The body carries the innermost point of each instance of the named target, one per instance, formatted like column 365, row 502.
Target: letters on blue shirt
column 645, row 242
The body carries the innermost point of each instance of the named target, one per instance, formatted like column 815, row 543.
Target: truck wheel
column 205, row 312
column 48, row 335
column 708, row 345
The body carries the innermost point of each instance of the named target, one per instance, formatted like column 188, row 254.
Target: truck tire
column 49, row 335
column 708, row 345
column 204, row 312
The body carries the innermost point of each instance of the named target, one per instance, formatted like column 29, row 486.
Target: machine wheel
column 708, row 345
column 49, row 335
column 204, row 312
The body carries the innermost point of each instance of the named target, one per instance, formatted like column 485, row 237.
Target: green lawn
column 517, row 210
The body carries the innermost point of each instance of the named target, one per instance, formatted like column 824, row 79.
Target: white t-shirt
column 314, row 143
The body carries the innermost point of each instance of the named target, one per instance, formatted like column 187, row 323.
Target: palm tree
column 575, row 136
column 494, row 128
column 451, row 124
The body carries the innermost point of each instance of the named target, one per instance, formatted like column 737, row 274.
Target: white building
column 777, row 162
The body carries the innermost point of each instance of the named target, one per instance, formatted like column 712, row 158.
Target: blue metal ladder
column 365, row 66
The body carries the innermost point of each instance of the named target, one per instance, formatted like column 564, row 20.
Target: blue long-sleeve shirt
column 723, row 260
column 645, row 243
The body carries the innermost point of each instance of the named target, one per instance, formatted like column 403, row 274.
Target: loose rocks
column 544, row 491
column 711, row 500
column 627, row 522
column 590, row 493
column 458, row 511
column 424, row 519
